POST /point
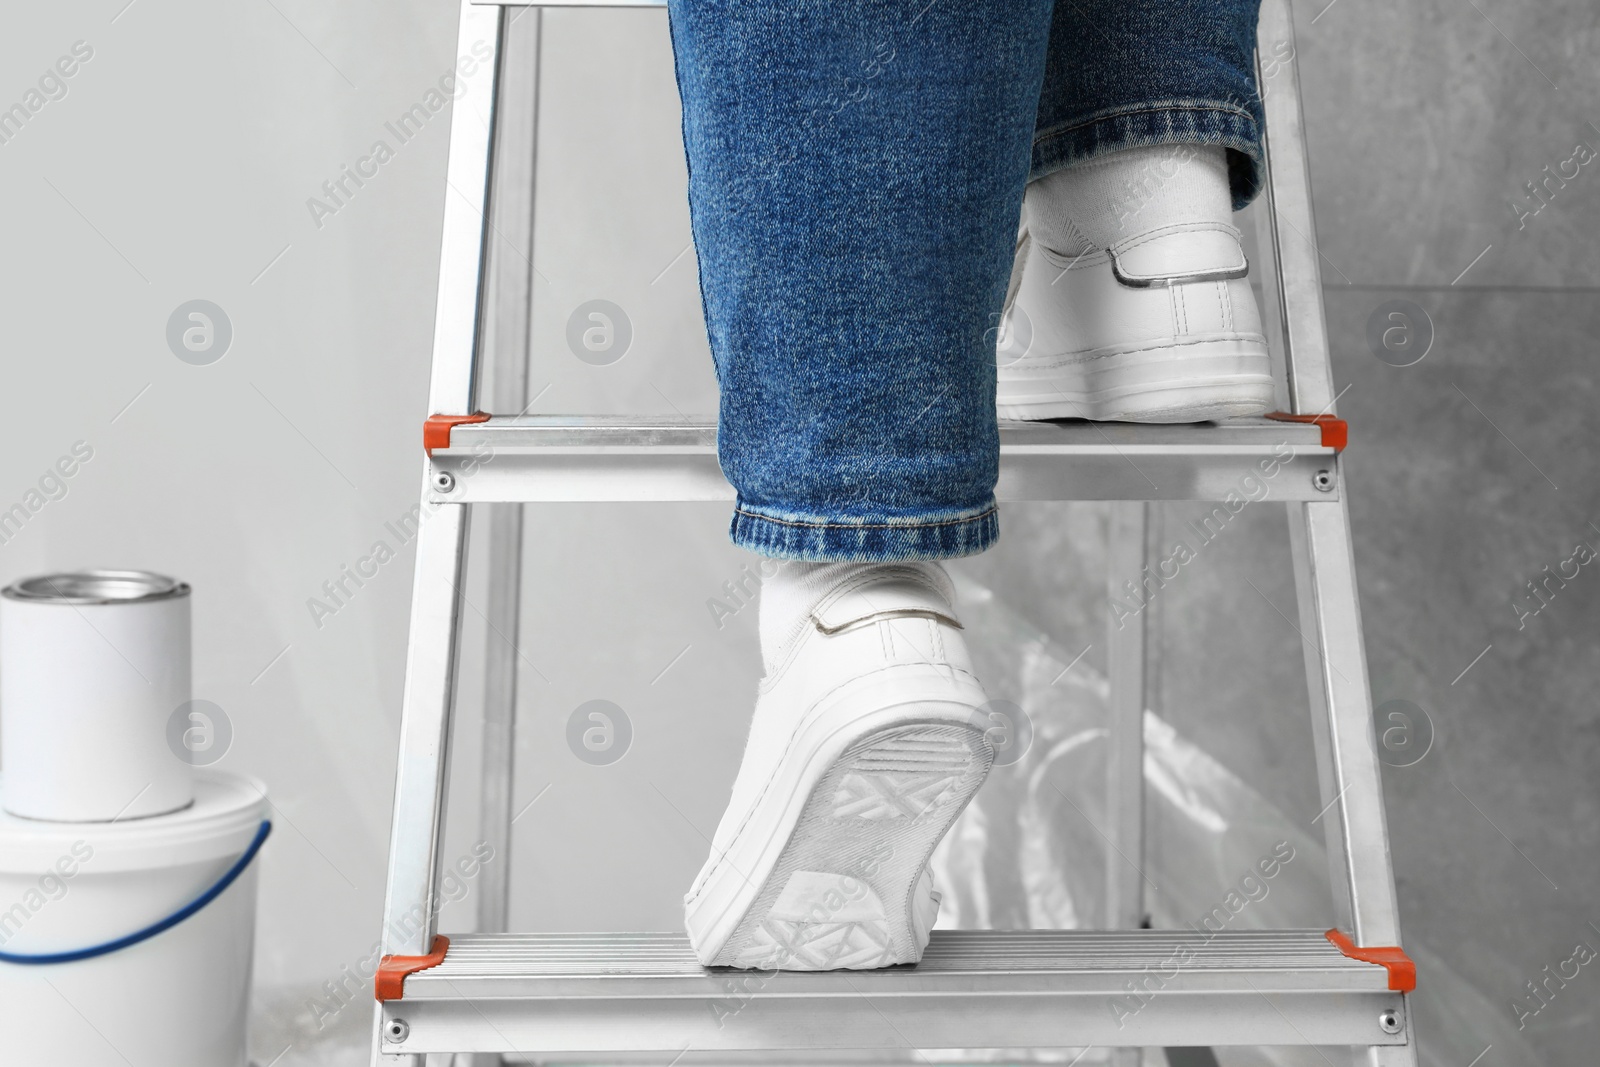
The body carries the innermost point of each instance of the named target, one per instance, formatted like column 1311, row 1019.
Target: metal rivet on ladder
column 444, row 481
column 1389, row 1021
column 399, row 1030
column 1323, row 480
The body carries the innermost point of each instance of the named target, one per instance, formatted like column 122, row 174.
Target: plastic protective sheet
column 1029, row 852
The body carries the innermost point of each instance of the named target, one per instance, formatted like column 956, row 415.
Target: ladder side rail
column 506, row 347
column 1357, row 834
column 436, row 591
column 411, row 902
column 1266, row 266
column 452, row 388
column 1292, row 225
column 1264, row 269
column 507, row 335
column 1127, row 553
column 422, row 774
column 1348, row 770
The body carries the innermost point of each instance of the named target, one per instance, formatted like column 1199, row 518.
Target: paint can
column 94, row 665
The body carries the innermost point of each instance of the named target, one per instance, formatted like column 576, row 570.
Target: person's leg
column 856, row 169
column 1126, row 73
column 1129, row 300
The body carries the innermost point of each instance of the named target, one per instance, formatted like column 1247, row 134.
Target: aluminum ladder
column 617, row 997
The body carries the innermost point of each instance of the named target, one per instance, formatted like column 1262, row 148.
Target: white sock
column 788, row 597
column 1124, row 194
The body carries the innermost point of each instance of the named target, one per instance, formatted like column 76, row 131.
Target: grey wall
column 179, row 165
column 1468, row 473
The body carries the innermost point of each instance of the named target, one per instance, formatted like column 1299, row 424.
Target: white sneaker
column 865, row 746
column 1160, row 328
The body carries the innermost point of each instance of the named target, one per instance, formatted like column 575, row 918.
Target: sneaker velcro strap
column 882, row 597
column 1174, row 255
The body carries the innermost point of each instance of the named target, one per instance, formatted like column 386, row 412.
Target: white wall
column 179, row 165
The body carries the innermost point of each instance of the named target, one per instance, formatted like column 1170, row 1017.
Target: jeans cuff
column 1167, row 122
column 864, row 539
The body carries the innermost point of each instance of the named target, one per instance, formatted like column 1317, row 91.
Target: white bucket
column 93, row 667
column 179, row 999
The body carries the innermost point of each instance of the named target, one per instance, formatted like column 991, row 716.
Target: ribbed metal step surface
column 582, row 993
column 550, row 458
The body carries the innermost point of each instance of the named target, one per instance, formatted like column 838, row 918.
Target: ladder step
column 583, row 993
column 553, row 458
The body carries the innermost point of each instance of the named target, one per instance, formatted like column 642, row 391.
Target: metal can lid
column 97, row 587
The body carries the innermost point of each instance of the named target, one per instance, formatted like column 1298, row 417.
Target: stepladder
column 618, row 996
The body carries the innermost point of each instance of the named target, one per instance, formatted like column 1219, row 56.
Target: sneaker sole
column 1215, row 378
column 849, row 888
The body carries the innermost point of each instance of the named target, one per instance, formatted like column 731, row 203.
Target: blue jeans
column 856, row 170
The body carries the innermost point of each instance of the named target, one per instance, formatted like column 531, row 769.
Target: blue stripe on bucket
column 155, row 928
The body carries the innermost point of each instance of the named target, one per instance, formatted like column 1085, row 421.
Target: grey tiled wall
column 1468, row 473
